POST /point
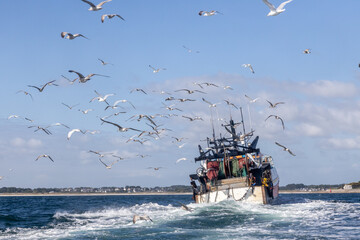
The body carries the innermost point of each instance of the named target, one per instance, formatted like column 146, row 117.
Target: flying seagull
column 71, row 36
column 251, row 100
column 94, row 7
column 277, row 117
column 156, row 70
column 103, row 62
column 210, row 13
column 155, row 168
column 228, row 87
column 101, row 98
column 41, row 128
column 44, row 155
column 26, row 93
column 183, row 206
column 70, row 81
column 285, row 148
column 181, row 159
column 231, row 104
column 109, row 166
column 70, row 107
column 209, row 84
column 110, row 16
column 190, row 91
column 307, row 51
column 144, row 217
column 210, row 104
column 273, row 105
column 276, row 11
column 40, row 89
column 84, row 79
column 70, row 133
column 189, row 50
column 85, row 111
column 121, row 129
column 138, row 90
column 193, row 119
column 115, row 105
column 248, row 65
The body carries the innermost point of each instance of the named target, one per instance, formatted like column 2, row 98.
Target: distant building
column 347, row 186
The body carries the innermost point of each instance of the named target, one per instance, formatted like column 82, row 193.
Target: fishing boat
column 234, row 168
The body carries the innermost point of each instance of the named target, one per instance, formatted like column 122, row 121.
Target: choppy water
column 295, row 216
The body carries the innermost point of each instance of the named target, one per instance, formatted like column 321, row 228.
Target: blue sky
column 320, row 89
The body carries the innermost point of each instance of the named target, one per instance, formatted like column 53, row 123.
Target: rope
column 243, row 197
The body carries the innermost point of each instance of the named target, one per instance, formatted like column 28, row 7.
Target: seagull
column 43, row 86
column 110, row 16
column 14, row 116
column 307, row 51
column 170, row 99
column 206, row 13
column 210, row 84
column 155, row 168
column 58, row 124
column 178, row 139
column 170, row 108
column 142, row 156
column 181, row 159
column 44, row 155
column 190, row 91
column 121, row 129
column 273, row 105
column 94, row 7
column 26, row 93
column 141, row 116
column 251, row 100
column 103, row 62
column 182, row 145
column 276, row 11
column 71, row 36
column 248, row 65
column 162, row 92
column 100, row 98
column 184, row 99
column 144, row 217
column 183, row 206
column 70, row 81
column 101, row 155
column 91, row 132
column 41, row 128
column 210, row 104
column 108, row 166
column 193, row 119
column 85, row 111
column 228, row 87
column 70, row 107
column 1, row 177
column 73, row 131
column 115, row 105
column 231, row 104
column 285, row 148
column 84, row 79
column 120, row 158
column 156, row 70
column 189, row 50
column 138, row 90
column 277, row 117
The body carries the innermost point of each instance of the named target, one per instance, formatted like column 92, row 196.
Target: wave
column 305, row 218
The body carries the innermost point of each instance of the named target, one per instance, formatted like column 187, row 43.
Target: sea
column 293, row 216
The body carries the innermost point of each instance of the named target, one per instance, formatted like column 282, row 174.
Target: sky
column 321, row 111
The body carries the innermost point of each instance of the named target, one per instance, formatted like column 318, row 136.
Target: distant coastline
column 88, row 194
column 162, row 193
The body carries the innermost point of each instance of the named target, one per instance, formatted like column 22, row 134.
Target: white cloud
column 326, row 88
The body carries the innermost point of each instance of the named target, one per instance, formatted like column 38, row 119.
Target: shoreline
column 342, row 191
column 86, row 194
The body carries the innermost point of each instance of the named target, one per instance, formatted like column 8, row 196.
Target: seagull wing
column 152, row 68
column 282, row 122
column 71, row 132
column 206, row 101
column 199, row 91
column 280, row 145
column 131, row 104
column 272, row 8
column 102, row 3
column 120, row 17
column 50, row 158
column 117, row 125
column 282, row 5
column 79, row 74
column 291, row 152
column 90, row 3
column 103, row 163
column 102, row 20
column 181, row 159
column 269, row 117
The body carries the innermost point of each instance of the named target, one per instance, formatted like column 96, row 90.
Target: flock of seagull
column 155, row 131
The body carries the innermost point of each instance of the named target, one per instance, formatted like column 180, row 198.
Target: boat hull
column 256, row 194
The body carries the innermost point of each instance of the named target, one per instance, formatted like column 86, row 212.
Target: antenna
column 249, row 116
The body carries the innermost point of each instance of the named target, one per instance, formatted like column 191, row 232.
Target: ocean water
column 294, row 216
